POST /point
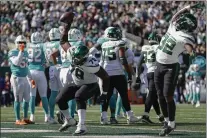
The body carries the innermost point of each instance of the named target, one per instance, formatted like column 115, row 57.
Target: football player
column 20, row 79
column 36, row 61
column 74, row 38
column 148, row 55
column 113, row 59
column 196, row 85
column 177, row 39
column 54, row 79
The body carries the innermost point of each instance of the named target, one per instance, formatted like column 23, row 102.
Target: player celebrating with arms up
column 177, row 39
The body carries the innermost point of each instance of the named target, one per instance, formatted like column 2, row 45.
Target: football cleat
column 145, row 119
column 32, row 118
column 113, row 120
column 165, row 125
column 67, row 124
column 132, row 119
column 52, row 121
column 60, row 117
column 28, row 121
column 197, row 104
column 104, row 121
column 81, row 130
column 166, row 131
column 161, row 119
column 19, row 122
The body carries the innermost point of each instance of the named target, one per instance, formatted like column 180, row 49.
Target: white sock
column 66, row 113
column 129, row 113
column 81, row 116
column 47, row 115
column 145, row 113
column 166, row 119
column 171, row 124
column 104, row 114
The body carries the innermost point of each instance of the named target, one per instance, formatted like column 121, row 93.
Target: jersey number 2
column 34, row 55
column 167, row 44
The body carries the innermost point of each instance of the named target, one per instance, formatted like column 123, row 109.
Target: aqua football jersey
column 22, row 69
column 36, row 56
column 49, row 48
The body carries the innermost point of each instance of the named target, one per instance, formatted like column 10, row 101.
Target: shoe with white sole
column 52, row 121
column 81, row 130
column 68, row 123
column 132, row 119
column 104, row 121
column 197, row 104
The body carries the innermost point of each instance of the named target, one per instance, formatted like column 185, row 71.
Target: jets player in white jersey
column 177, row 39
column 18, row 58
column 113, row 59
column 84, row 69
column 37, row 68
column 148, row 57
column 54, row 80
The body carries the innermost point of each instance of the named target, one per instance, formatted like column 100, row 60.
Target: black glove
column 103, row 98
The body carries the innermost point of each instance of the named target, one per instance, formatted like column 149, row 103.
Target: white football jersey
column 84, row 74
column 130, row 56
column 97, row 54
column 150, row 56
column 110, row 57
column 172, row 44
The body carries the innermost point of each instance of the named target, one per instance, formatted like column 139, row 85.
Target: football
column 67, row 17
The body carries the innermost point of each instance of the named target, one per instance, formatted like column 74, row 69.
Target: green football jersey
column 36, row 56
column 22, row 69
column 49, row 48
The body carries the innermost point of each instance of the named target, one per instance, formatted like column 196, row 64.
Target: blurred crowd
column 92, row 18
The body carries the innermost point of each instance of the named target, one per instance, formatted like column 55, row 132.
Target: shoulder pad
column 122, row 43
column 13, row 52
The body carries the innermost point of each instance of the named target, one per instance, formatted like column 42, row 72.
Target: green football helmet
column 186, row 22
column 113, row 33
column 78, row 55
column 154, row 38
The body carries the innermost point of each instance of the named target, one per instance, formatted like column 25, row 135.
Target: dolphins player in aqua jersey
column 18, row 58
column 54, row 80
column 37, row 68
column 196, row 85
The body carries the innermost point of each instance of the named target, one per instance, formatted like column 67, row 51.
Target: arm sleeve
column 16, row 60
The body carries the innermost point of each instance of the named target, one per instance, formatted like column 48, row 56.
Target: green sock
column 45, row 104
column 17, row 110
column 118, row 105
column 32, row 104
column 72, row 107
column 112, row 104
column 52, row 98
column 25, row 109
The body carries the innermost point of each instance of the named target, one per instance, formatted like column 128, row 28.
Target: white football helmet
column 74, row 35
column 54, row 34
column 36, row 38
column 20, row 39
column 106, row 31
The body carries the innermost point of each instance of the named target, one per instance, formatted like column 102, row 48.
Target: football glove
column 103, row 98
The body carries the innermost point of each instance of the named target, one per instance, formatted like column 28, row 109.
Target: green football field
column 191, row 123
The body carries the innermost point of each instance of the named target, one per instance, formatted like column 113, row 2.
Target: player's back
column 49, row 48
column 36, row 56
column 22, row 69
column 110, row 57
column 172, row 45
column 149, row 56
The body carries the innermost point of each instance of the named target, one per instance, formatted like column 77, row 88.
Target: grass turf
column 190, row 121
